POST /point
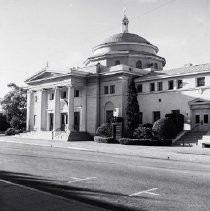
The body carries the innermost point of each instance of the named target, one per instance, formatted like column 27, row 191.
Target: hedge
column 147, row 142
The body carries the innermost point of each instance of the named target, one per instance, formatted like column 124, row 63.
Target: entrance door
column 109, row 116
column 51, row 122
column 64, row 122
column 201, row 120
column 76, row 121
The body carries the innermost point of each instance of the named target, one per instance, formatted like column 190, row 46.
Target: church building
column 81, row 99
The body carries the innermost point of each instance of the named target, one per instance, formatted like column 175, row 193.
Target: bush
column 11, row 131
column 178, row 119
column 129, row 141
column 146, row 142
column 107, row 140
column 164, row 129
column 4, row 125
column 148, row 125
column 143, row 133
column 105, row 130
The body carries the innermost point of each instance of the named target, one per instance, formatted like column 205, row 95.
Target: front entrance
column 64, row 121
column 51, row 121
column 76, row 121
column 109, row 116
column 201, row 120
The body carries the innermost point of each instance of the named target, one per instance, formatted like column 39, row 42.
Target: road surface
column 114, row 182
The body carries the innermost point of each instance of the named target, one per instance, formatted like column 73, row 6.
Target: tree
column 132, row 110
column 14, row 106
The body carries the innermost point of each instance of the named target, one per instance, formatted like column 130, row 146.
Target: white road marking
column 147, row 192
column 78, row 179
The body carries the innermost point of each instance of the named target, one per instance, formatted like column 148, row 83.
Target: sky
column 63, row 32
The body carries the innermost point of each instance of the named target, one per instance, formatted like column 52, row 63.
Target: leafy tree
column 132, row 110
column 14, row 106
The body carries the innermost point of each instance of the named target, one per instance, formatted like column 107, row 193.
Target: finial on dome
column 125, row 21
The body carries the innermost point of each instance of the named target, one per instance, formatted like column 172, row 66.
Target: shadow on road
column 67, row 191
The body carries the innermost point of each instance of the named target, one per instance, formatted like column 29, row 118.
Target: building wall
column 177, row 99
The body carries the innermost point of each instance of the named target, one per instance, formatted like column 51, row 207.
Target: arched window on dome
column 117, row 62
column 155, row 65
column 139, row 64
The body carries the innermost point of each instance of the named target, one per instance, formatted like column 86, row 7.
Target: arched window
column 155, row 65
column 139, row 64
column 117, row 62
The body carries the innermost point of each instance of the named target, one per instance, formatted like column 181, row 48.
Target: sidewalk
column 16, row 197
column 191, row 154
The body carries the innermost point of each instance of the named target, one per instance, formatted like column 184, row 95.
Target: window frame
column 171, row 82
column 198, row 82
column 178, row 84
column 155, row 117
column 76, row 93
column 112, row 89
column 158, row 86
column 106, row 90
column 139, row 64
column 152, row 87
column 139, row 90
column 51, row 96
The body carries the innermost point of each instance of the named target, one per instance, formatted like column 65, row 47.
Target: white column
column 71, row 108
column 57, row 116
column 30, row 110
column 43, row 109
column 84, row 110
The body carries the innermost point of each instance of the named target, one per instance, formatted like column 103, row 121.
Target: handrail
column 58, row 131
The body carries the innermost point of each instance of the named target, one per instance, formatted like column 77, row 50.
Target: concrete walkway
column 191, row 154
column 16, row 197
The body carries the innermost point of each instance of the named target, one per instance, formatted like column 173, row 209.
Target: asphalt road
column 110, row 181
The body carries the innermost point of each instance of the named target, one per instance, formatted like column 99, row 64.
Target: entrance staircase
column 48, row 135
column 190, row 139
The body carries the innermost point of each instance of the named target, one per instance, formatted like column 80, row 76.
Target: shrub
column 129, row 141
column 178, row 119
column 164, row 129
column 143, row 133
column 148, row 125
column 10, row 132
column 4, row 125
column 147, row 142
column 105, row 130
column 100, row 139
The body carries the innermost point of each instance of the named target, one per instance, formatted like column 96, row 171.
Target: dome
column 126, row 37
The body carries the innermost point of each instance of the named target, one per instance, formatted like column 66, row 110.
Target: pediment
column 43, row 75
column 198, row 101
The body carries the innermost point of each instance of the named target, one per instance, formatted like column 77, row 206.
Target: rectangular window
column 152, row 87
column 170, row 85
column 76, row 93
column 112, row 89
column 156, row 115
column 179, row 84
column 197, row 119
column 175, row 111
column 106, row 90
column 160, row 86
column 51, row 96
column 140, row 118
column 139, row 88
column 201, row 81
column 206, row 118
column 63, row 95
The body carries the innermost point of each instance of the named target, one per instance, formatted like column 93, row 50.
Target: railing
column 58, row 132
